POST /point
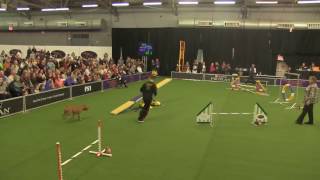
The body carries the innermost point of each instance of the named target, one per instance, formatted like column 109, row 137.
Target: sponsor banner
column 110, row 84
column 44, row 98
column 294, row 82
column 305, row 83
column 215, row 77
column 145, row 75
column 11, row 106
column 82, row 89
column 179, row 75
column 132, row 78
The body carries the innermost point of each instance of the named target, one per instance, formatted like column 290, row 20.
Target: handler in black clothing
column 148, row 90
column 121, row 81
column 252, row 74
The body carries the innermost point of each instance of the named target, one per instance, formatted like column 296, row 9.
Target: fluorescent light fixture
column 23, row 9
column 266, row 2
column 224, row 2
column 188, row 2
column 90, row 5
column 3, row 9
column 120, row 4
column 309, row 2
column 152, row 3
column 55, row 9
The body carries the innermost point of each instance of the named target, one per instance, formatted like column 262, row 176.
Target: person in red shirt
column 212, row 69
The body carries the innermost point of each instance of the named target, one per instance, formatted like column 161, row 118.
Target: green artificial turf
column 169, row 145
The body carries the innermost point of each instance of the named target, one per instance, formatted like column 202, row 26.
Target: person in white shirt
column 139, row 69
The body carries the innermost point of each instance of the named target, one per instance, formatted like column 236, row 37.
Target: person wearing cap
column 148, row 90
column 310, row 98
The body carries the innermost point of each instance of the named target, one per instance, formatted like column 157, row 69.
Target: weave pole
column 101, row 152
column 59, row 160
column 99, row 135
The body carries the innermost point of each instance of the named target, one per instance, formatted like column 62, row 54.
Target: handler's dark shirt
column 148, row 89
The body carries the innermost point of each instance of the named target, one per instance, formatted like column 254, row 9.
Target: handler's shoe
column 140, row 120
column 308, row 123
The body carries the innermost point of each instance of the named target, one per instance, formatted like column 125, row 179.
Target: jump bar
column 232, row 113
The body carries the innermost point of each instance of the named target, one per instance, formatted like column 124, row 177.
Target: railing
column 270, row 80
column 24, row 103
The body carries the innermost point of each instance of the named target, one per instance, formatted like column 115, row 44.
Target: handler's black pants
column 144, row 111
column 306, row 109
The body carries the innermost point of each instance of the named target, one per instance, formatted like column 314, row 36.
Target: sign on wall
column 86, row 88
column 11, row 106
column 44, row 98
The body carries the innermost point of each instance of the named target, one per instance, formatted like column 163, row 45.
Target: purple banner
column 132, row 78
column 110, row 84
column 145, row 75
column 294, row 82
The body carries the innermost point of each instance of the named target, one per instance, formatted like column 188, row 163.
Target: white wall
column 100, row 50
column 146, row 18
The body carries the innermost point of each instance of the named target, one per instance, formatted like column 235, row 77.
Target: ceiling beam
column 30, row 4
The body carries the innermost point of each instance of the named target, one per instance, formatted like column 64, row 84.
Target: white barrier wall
column 100, row 50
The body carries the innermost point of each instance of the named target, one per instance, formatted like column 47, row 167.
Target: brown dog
column 74, row 110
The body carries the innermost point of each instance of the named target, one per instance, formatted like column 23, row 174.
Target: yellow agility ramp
column 130, row 103
column 123, row 107
column 163, row 82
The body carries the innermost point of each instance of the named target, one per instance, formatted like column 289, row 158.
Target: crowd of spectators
column 213, row 68
column 40, row 71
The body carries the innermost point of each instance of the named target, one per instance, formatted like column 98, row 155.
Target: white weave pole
column 255, row 109
column 59, row 160
column 100, row 152
column 99, row 135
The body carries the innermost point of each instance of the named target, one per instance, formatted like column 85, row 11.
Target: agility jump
column 100, row 152
column 258, row 89
column 206, row 115
column 289, row 91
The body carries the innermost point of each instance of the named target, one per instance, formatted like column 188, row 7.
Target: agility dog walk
column 100, row 152
column 136, row 99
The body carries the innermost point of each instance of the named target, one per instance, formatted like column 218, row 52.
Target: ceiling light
column 55, row 9
column 309, row 2
column 23, row 9
column 224, row 2
column 152, row 3
column 266, row 2
column 188, row 2
column 120, row 4
column 90, row 5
